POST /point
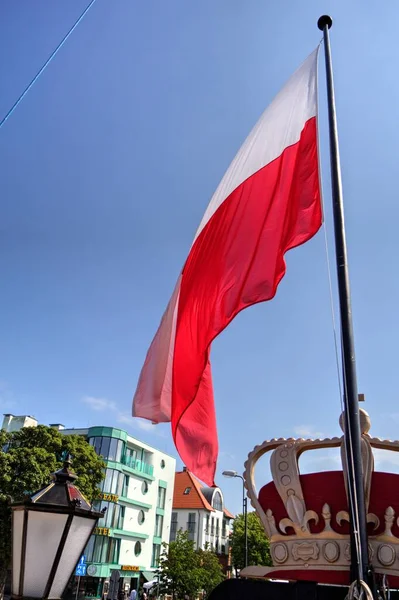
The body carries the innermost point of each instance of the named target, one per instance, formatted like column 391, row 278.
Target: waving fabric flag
column 267, row 203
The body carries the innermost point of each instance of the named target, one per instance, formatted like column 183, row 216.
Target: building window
column 187, row 491
column 112, row 515
column 162, row 464
column 113, row 482
column 144, row 487
column 224, row 528
column 207, row 524
column 191, row 526
column 89, row 548
column 101, row 549
column 125, row 490
column 156, row 553
column 173, row 527
column 217, row 501
column 121, row 518
column 108, row 448
column 113, row 553
column 137, row 548
column 212, row 526
column 158, row 525
column 141, row 517
column 161, row 497
column 217, row 527
column 130, row 457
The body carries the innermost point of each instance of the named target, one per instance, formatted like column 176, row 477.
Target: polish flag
column 267, row 203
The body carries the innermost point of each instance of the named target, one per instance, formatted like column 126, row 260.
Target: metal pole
column 77, row 589
column 245, row 513
column 246, row 529
column 359, row 546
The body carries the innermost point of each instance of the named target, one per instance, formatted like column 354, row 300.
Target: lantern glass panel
column 43, row 538
column 78, row 536
column 17, row 529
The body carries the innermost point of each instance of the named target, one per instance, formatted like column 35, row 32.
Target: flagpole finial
column 323, row 21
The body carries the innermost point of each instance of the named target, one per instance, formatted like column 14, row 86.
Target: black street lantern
column 50, row 531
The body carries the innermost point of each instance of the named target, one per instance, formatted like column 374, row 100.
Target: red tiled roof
column 228, row 514
column 195, row 498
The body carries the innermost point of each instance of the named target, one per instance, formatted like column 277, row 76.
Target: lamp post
column 232, row 474
column 50, row 531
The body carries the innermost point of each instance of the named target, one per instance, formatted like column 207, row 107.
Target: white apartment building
column 200, row 511
column 137, row 492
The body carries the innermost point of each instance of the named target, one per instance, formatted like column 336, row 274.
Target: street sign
column 81, row 568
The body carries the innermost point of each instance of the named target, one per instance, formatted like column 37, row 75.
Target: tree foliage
column 27, row 460
column 258, row 543
column 211, row 570
column 184, row 571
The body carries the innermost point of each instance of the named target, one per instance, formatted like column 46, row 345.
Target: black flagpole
column 359, row 545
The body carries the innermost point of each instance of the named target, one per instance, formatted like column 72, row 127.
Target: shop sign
column 109, row 497
column 102, row 531
column 129, row 568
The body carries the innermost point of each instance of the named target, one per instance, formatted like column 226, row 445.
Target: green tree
column 179, row 569
column 258, row 543
column 186, row 571
column 27, row 459
column 211, row 573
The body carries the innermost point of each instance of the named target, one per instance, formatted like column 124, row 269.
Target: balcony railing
column 138, row 465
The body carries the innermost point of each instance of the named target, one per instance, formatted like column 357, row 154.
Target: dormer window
column 217, row 501
column 187, row 491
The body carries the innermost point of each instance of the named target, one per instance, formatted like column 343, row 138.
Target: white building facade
column 201, row 512
column 137, row 493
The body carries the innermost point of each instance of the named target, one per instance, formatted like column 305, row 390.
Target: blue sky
column 106, row 169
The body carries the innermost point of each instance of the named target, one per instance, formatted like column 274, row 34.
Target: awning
column 148, row 575
column 150, row 584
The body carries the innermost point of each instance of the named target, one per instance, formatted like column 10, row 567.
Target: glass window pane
column 156, row 551
column 109, row 514
column 115, row 516
column 112, row 449
column 97, row 444
column 105, row 447
column 89, row 549
column 114, row 551
column 119, row 451
column 217, row 501
column 114, row 484
column 106, row 486
column 121, row 517
column 125, row 490
column 158, row 525
column 97, row 548
column 161, row 497
column 102, row 522
column 104, row 550
column 121, row 481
